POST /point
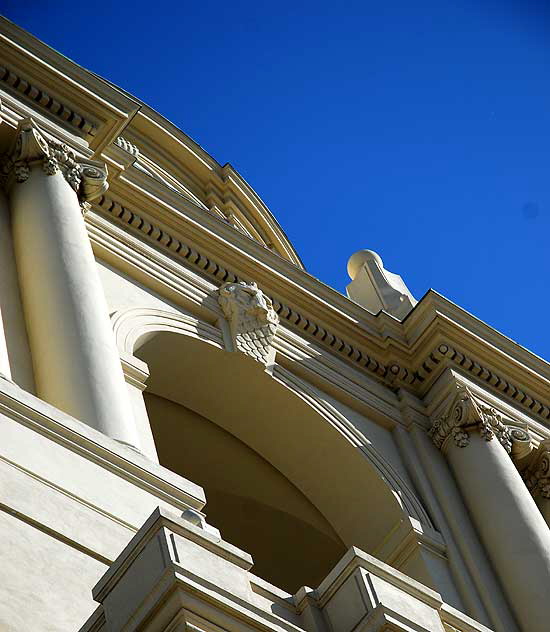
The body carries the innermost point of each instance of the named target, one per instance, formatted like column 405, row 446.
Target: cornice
column 483, row 374
column 186, row 289
column 14, row 82
column 395, row 365
column 400, row 355
column 219, row 273
column 76, row 99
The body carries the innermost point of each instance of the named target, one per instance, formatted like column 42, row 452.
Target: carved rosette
column 87, row 178
column 466, row 415
column 252, row 320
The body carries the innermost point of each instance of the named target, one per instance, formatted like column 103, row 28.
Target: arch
column 134, row 326
column 360, row 495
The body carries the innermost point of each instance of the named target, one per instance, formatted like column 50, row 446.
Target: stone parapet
column 174, row 575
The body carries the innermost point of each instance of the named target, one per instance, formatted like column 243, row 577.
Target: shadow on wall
column 255, row 507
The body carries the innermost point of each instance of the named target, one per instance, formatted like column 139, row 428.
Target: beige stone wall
column 196, row 338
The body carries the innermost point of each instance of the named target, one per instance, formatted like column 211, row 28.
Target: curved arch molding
column 133, row 327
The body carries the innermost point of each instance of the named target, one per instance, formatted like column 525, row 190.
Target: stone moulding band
column 46, row 101
column 393, row 375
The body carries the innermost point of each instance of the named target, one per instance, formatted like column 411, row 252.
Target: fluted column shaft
column 76, row 364
column 514, row 533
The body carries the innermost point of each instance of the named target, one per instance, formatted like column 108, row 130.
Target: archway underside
column 281, row 481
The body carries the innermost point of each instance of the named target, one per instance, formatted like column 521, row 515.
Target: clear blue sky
column 418, row 129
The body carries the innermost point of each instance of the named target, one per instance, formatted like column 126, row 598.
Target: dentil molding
column 14, row 81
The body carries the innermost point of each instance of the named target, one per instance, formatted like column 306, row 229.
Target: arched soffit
column 280, row 417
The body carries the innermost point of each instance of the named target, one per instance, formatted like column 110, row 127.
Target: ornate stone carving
column 252, row 320
column 537, row 475
column 127, row 146
column 87, row 178
column 465, row 415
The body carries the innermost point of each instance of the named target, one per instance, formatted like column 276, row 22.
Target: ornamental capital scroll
column 252, row 320
column 466, row 415
column 537, row 474
column 32, row 148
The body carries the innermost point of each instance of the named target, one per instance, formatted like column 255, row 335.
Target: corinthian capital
column 32, row 148
column 466, row 415
column 537, row 475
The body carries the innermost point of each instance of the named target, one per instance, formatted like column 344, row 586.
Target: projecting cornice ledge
column 414, row 368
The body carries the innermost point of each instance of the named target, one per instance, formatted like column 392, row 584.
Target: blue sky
column 419, row 130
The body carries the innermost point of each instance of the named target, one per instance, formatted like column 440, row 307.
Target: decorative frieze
column 252, row 320
column 466, row 414
column 88, row 179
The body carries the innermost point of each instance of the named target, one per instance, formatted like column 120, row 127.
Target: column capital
column 537, row 474
column 88, row 178
column 467, row 414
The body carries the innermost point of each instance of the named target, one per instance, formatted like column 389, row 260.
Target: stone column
column 76, row 363
column 477, row 446
column 4, row 235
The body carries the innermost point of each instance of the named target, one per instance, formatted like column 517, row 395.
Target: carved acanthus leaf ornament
column 252, row 320
column 87, row 178
column 537, row 475
column 465, row 415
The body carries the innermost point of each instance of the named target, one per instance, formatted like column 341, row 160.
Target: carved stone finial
column 252, row 320
column 86, row 177
column 375, row 288
column 467, row 414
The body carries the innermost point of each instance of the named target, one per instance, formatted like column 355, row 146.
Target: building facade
column 195, row 434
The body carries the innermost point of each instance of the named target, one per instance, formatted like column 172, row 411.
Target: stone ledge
column 78, row 437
